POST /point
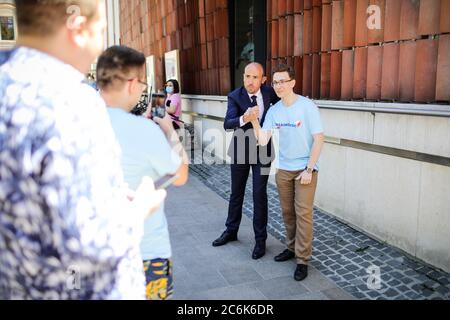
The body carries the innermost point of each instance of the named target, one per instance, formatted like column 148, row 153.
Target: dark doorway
column 248, row 36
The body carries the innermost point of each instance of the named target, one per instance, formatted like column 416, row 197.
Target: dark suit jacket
column 243, row 145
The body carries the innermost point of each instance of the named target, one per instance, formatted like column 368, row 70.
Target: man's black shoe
column 284, row 256
column 301, row 272
column 224, row 239
column 259, row 250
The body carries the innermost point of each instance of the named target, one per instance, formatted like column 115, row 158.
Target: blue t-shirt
column 295, row 126
column 146, row 152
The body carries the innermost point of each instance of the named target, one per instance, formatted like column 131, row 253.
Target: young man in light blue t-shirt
column 297, row 122
column 148, row 149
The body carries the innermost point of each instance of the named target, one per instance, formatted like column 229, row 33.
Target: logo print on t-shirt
column 296, row 124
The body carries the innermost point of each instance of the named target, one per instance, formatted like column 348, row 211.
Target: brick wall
column 337, row 57
column 198, row 28
column 334, row 54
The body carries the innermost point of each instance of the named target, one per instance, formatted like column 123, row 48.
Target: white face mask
column 169, row 90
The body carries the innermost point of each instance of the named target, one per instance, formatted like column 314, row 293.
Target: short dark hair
column 284, row 68
column 116, row 64
column 176, row 85
column 45, row 17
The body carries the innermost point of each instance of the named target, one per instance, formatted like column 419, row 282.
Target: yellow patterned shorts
column 159, row 279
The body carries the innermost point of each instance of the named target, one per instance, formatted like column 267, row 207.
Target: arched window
column 8, row 25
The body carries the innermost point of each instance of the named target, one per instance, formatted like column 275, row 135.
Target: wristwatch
column 309, row 170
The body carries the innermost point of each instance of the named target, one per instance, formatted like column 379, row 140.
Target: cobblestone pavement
column 343, row 254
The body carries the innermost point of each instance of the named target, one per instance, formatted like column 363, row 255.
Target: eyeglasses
column 281, row 82
column 140, row 81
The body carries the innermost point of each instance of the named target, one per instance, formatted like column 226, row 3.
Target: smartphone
column 158, row 112
column 165, row 181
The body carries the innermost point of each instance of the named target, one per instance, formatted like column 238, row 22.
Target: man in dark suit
column 245, row 154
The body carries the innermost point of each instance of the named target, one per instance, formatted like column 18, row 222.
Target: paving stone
column 334, row 255
column 410, row 273
column 394, row 283
column 391, row 293
column 352, row 268
column 240, row 275
column 280, row 288
column 373, row 294
column 358, row 260
column 444, row 281
column 360, row 295
column 317, row 282
column 241, row 292
column 348, row 276
column 310, row 296
column 412, row 295
column 337, row 294
column 271, row 269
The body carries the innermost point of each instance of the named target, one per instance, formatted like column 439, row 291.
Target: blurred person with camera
column 149, row 148
column 64, row 233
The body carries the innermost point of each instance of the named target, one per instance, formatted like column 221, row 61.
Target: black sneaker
column 301, row 272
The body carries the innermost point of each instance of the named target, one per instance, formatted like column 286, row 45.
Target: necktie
column 255, row 103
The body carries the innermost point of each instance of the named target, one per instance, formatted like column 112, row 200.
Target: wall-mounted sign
column 172, row 63
column 151, row 77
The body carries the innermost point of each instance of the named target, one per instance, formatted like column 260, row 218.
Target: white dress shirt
column 260, row 102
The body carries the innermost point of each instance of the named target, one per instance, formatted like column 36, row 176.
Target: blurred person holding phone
column 173, row 102
column 121, row 79
column 63, row 231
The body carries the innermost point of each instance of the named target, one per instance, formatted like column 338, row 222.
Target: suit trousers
column 239, row 177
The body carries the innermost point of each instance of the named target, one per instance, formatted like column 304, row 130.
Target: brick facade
column 406, row 60
column 198, row 28
column 328, row 42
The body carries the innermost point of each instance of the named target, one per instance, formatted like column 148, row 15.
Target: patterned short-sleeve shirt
column 66, row 228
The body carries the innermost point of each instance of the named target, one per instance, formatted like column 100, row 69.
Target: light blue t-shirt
column 295, row 126
column 146, row 152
